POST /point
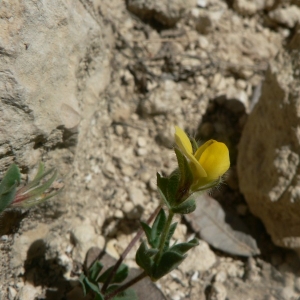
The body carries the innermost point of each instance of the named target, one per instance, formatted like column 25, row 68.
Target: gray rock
column 44, row 63
column 202, row 255
column 218, row 292
column 162, row 100
column 288, row 16
column 28, row 292
column 166, row 12
column 268, row 161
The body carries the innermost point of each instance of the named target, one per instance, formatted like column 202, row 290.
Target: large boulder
column 268, row 162
column 54, row 58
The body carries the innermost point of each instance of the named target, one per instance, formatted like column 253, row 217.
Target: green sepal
column 195, row 145
column 95, row 270
column 185, row 207
column 186, row 175
column 168, row 262
column 182, row 248
column 88, row 285
column 169, row 235
column 143, row 258
column 120, row 275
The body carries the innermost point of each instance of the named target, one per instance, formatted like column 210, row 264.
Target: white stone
column 136, row 196
column 200, row 258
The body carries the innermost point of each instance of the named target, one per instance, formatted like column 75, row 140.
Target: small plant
column 35, row 192
column 199, row 169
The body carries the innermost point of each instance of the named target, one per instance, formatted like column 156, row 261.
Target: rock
column 11, row 293
column 85, row 237
column 288, row 16
column 29, row 245
column 250, row 7
column 201, row 259
column 162, row 100
column 43, row 65
column 28, row 292
column 268, row 161
column 217, row 292
column 166, row 12
column 136, row 196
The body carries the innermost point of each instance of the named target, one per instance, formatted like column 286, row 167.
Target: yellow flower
column 208, row 163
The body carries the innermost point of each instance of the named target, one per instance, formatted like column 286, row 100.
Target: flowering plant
column 199, row 169
column 33, row 193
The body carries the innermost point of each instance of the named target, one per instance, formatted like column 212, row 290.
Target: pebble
column 141, row 142
column 27, row 292
column 200, row 258
column 141, row 151
column 136, row 196
column 218, row 292
column 221, row 276
column 11, row 293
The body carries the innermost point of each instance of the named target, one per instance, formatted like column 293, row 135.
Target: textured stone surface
column 166, row 12
column 268, row 163
column 45, row 53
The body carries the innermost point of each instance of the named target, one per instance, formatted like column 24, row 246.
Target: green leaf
column 162, row 184
column 88, row 285
column 143, row 258
column 168, row 262
column 173, row 185
column 185, row 207
column 7, row 198
column 182, row 248
column 163, row 197
column 10, row 179
column 128, row 294
column 169, row 236
column 95, row 270
column 36, row 190
column 157, row 228
column 81, row 280
column 120, row 275
column 147, row 229
column 186, row 175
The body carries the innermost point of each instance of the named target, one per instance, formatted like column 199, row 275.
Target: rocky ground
column 196, row 64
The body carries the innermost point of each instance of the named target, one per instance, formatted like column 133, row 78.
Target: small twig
column 126, row 251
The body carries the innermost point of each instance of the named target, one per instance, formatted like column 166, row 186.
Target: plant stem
column 164, row 237
column 126, row 251
column 125, row 286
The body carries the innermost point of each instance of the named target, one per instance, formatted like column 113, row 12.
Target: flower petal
column 184, row 144
column 215, row 160
column 202, row 148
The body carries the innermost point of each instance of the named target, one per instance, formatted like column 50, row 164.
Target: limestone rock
column 166, row 12
column 268, row 162
column 201, row 258
column 288, row 16
column 45, row 71
column 162, row 100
